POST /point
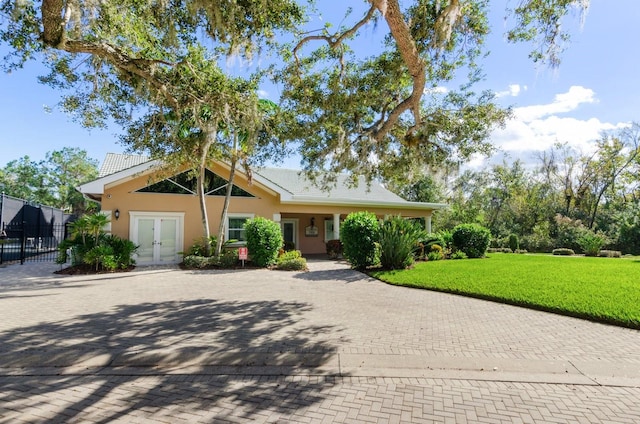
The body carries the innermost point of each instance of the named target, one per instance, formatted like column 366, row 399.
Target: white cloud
column 263, row 94
column 538, row 127
column 513, row 91
column 562, row 103
column 436, row 90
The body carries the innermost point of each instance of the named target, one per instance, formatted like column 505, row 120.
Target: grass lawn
column 599, row 289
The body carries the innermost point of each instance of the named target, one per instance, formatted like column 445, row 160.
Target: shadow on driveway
column 176, row 332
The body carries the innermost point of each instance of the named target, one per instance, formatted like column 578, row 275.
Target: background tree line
column 550, row 203
column 51, row 181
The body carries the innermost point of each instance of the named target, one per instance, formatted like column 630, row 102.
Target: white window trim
column 235, row 215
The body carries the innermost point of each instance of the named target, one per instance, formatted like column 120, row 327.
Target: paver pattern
column 328, row 345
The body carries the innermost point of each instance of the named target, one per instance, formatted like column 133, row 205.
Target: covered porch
column 309, row 232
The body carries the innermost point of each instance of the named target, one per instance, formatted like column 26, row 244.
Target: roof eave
column 96, row 187
column 305, row 200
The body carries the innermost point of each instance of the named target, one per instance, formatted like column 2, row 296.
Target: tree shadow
column 147, row 337
column 343, row 274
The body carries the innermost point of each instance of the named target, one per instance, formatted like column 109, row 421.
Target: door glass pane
column 167, row 240
column 328, row 230
column 287, row 232
column 145, row 240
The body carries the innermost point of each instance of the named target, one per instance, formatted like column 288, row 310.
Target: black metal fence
column 22, row 242
column 30, row 232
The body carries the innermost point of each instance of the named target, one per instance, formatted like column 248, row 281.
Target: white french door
column 159, row 237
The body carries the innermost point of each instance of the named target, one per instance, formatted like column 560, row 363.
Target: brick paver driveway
column 329, row 345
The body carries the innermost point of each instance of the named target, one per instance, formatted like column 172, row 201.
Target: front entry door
column 290, row 232
column 157, row 238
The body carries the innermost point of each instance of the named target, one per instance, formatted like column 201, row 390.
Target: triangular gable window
column 185, row 183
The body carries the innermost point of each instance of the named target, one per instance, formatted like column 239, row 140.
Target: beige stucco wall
column 266, row 203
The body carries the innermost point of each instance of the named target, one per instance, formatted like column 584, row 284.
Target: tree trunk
column 227, row 197
column 202, row 197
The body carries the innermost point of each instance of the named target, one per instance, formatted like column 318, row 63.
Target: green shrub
column 521, row 251
column 435, row 255
column 539, row 240
column 591, row 243
column 101, row 257
column 291, row 261
column 199, row 247
column 123, row 250
column 459, row 255
column 289, row 246
column 399, row 238
column 514, row 242
column 228, row 258
column 472, row 239
column 563, row 251
column 360, row 235
column 334, row 248
column 264, row 240
column 195, row 262
column 499, row 250
column 90, row 245
column 568, row 232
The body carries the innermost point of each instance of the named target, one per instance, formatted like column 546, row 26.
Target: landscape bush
column 334, row 248
column 458, row 255
column 591, row 243
column 196, row 262
column 90, row 245
column 264, row 240
column 360, row 233
column 472, row 239
column 563, row 251
column 399, row 238
column 199, row 247
column 610, row 254
column 514, row 242
column 228, row 259
column 291, row 261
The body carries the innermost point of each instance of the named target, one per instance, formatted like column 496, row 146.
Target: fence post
column 23, row 244
column 1, row 240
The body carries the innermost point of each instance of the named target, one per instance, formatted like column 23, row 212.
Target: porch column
column 336, row 226
column 427, row 223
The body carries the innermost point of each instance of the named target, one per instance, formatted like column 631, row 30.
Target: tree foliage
column 370, row 114
column 567, row 195
column 51, row 181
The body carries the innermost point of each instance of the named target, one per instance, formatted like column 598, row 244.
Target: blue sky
column 596, row 88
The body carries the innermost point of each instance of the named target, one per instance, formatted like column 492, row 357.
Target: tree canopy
column 51, row 181
column 371, row 113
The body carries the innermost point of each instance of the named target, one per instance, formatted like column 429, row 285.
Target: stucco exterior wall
column 124, row 197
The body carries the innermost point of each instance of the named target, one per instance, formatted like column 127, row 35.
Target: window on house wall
column 235, row 227
column 186, row 183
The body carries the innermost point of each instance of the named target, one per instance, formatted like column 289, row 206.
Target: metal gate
column 23, row 242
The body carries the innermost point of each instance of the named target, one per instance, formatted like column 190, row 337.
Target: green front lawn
column 600, row 289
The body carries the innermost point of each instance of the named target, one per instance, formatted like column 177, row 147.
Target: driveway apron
column 161, row 344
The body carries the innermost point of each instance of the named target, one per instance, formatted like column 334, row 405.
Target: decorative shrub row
column 610, row 254
column 563, row 251
column 227, row 259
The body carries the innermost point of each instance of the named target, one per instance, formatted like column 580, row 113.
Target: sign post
column 243, row 253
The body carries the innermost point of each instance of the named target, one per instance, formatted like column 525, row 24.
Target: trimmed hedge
column 472, row 239
column 264, row 240
column 360, row 233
